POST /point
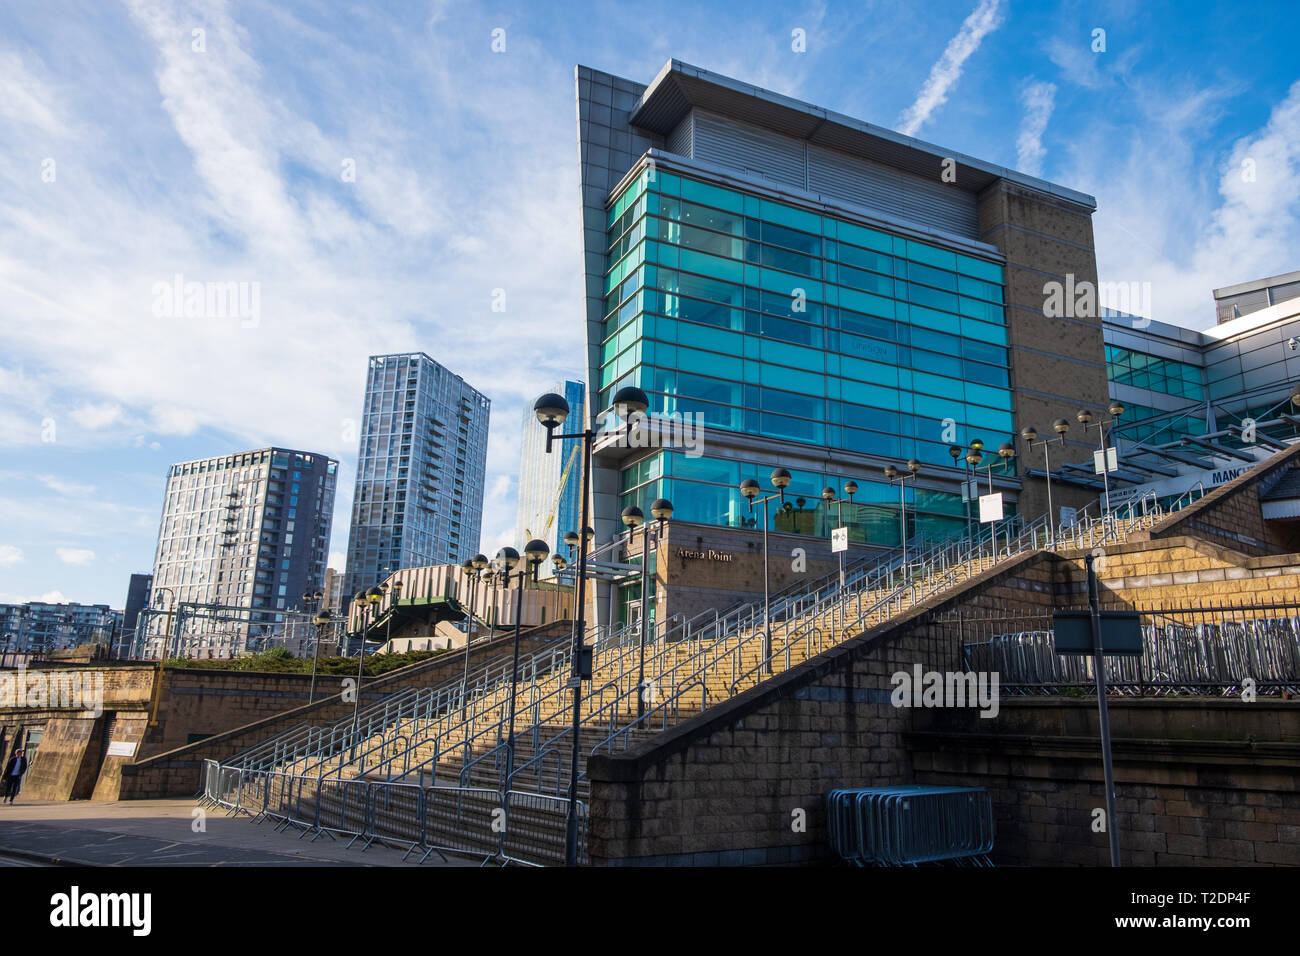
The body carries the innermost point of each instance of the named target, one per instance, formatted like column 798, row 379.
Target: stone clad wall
column 1200, row 780
column 727, row 786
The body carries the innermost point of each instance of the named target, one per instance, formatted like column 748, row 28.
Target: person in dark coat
column 13, row 777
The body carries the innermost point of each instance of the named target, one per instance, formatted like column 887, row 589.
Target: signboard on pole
column 991, row 507
column 839, row 539
column 1121, row 633
column 1111, row 460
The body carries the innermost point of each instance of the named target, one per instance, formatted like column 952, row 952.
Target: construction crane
column 559, row 492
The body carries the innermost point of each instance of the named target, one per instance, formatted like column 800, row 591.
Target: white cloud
column 68, row 489
column 983, row 20
column 97, row 416
column 1218, row 227
column 10, row 555
column 1038, row 100
column 75, row 555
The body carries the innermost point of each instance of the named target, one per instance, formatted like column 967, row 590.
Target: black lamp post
column 661, row 510
column 367, row 600
column 321, row 621
column 1085, row 419
column 507, row 558
column 552, row 411
column 894, row 475
column 829, row 496
column 1030, row 435
column 780, row 479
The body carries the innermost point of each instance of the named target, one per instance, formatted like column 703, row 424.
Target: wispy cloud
column 10, row 555
column 1038, row 99
column 982, row 21
column 75, row 555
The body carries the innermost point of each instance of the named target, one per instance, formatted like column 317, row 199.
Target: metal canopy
column 1219, row 449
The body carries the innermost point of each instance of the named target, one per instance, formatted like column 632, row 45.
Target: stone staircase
column 456, row 783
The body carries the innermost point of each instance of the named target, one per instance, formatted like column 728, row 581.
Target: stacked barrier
column 907, row 825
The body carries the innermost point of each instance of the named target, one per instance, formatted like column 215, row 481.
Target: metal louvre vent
column 682, row 139
column 728, row 143
column 835, row 176
column 892, row 191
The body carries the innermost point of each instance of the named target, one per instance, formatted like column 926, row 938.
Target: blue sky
column 133, row 149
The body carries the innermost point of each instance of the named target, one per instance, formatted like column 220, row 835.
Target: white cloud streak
column 945, row 73
column 1038, row 99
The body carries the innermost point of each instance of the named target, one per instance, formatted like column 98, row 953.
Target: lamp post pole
column 1030, row 435
column 749, row 488
column 1085, row 419
column 507, row 558
column 633, row 518
column 894, row 475
column 367, row 599
column 167, row 627
column 551, row 411
column 830, row 497
column 322, row 621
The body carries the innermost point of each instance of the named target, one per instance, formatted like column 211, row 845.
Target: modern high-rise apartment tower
column 421, row 467
column 246, row 534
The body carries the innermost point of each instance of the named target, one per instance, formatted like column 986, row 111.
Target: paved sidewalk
column 160, row 833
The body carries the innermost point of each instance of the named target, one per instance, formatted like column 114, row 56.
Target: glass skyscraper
column 421, row 468
column 822, row 295
column 550, row 486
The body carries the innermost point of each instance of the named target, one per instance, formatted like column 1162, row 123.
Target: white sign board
column 1112, row 460
column 839, row 539
column 120, row 748
column 991, row 507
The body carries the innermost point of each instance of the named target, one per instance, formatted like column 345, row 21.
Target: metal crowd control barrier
column 908, row 825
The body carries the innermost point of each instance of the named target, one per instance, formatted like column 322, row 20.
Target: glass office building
column 421, row 468
column 768, row 320
column 1183, row 386
column 818, row 294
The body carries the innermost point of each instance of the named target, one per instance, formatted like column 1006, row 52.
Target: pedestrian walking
column 13, row 777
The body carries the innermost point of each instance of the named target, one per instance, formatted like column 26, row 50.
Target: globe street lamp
column 552, row 411
column 780, row 479
column 322, row 621
column 367, row 600
column 507, row 559
column 1030, row 435
column 894, row 475
column 1085, row 419
column 661, row 510
column 829, row 496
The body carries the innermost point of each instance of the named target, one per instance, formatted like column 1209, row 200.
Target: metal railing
column 689, row 664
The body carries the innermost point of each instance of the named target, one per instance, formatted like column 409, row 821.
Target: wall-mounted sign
column 120, row 748
column 991, row 507
column 839, row 539
column 707, row 554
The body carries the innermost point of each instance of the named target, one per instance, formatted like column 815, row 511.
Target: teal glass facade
column 768, row 319
column 707, row 491
column 1179, row 380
